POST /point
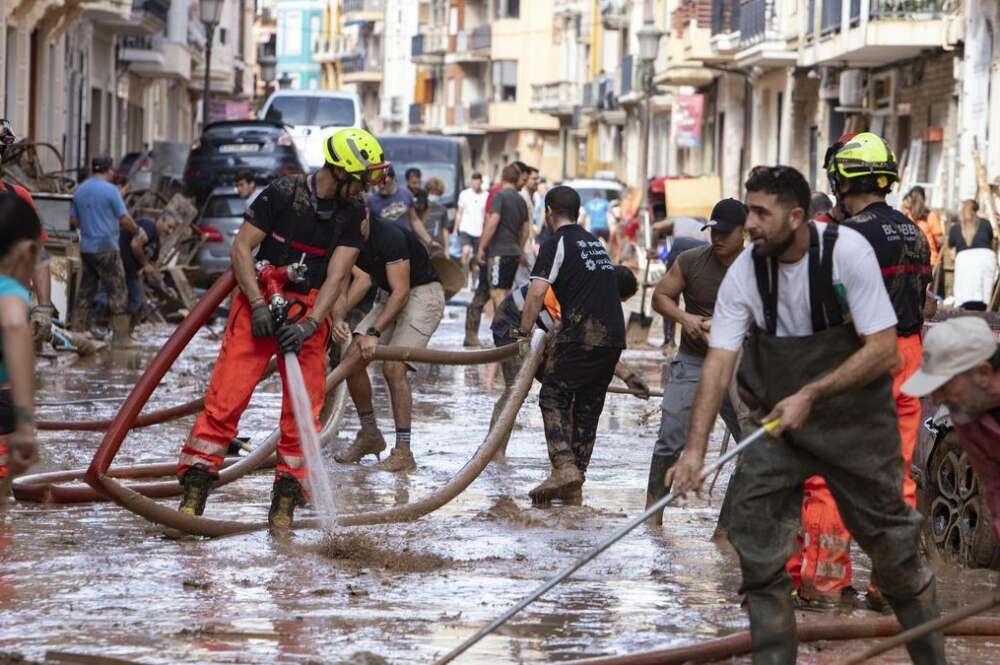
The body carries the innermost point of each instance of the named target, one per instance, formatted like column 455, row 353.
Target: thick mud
column 95, row 579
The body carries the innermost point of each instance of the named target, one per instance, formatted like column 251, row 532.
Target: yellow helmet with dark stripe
column 358, row 153
column 863, row 155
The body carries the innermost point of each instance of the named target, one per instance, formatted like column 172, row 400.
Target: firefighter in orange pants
column 315, row 220
column 862, row 169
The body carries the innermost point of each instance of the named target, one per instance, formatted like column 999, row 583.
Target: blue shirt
column 98, row 205
column 597, row 211
column 11, row 287
column 394, row 209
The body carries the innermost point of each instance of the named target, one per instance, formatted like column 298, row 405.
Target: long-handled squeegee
column 611, row 540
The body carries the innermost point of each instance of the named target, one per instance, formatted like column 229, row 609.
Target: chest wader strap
column 825, row 307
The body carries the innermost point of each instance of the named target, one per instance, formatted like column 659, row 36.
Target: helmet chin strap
column 342, row 184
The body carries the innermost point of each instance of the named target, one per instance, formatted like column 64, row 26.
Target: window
column 293, row 33
column 314, row 26
column 508, row 8
column 222, row 36
column 504, row 80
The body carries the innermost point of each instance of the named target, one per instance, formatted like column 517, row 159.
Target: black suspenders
column 824, row 305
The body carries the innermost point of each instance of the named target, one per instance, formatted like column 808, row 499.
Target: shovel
column 637, row 331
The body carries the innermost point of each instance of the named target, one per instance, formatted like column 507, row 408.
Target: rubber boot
column 927, row 650
column 400, row 459
column 772, row 626
column 366, row 442
column 196, row 482
column 120, row 328
column 286, row 494
column 655, row 489
column 473, row 315
column 562, row 480
column 81, row 317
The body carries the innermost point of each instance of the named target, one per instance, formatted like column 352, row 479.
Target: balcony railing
column 479, row 112
column 908, row 9
column 560, row 94
column 363, row 6
column 830, row 19
column 754, row 15
column 725, row 16
column 434, row 42
column 356, row 63
column 157, row 8
column 416, row 115
column 481, row 38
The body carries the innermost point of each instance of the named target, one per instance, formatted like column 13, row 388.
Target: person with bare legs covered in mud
column 820, row 341
column 315, row 220
column 507, row 321
column 581, row 363
column 408, row 309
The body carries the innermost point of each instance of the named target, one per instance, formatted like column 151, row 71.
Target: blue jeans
column 136, row 296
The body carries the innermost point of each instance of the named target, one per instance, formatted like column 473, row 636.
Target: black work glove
column 292, row 336
column 262, row 322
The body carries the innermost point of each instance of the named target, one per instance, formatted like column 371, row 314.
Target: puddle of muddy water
column 96, row 579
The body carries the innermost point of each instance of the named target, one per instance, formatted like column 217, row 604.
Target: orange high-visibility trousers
column 822, row 566
column 238, row 369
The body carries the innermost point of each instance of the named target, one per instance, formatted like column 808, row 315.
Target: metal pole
column 207, row 89
column 647, row 81
column 608, row 542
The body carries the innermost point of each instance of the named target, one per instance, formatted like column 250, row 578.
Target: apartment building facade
column 108, row 77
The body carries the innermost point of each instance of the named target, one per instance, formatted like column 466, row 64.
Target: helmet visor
column 375, row 174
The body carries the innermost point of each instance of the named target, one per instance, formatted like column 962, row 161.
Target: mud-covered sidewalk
column 95, row 579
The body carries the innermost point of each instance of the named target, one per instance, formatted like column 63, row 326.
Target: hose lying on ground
column 738, row 644
column 203, row 526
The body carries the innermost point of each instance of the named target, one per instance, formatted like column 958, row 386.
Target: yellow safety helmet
column 358, row 153
column 865, row 155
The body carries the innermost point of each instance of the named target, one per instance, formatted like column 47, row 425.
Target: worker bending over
column 407, row 311
column 507, row 321
column 313, row 218
column 581, row 363
column 822, row 341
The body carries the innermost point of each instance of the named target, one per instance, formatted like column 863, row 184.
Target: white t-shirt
column 473, row 207
column 856, row 277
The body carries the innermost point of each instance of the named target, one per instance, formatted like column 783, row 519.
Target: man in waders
column 862, row 170
column 408, row 308
column 696, row 274
column 314, row 219
column 581, row 363
column 818, row 357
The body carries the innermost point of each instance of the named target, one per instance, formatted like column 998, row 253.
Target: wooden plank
column 182, row 285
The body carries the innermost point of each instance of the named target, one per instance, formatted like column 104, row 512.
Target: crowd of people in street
column 800, row 311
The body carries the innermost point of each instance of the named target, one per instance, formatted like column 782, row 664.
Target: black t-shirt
column 152, row 247
column 419, row 200
column 905, row 259
column 388, row 243
column 506, row 240
column 982, row 239
column 284, row 210
column 583, row 279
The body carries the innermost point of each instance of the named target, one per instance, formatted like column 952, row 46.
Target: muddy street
column 96, row 579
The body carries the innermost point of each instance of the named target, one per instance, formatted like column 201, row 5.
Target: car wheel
column 959, row 522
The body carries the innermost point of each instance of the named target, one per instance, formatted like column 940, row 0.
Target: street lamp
column 210, row 11
column 649, row 46
column 268, row 65
column 285, row 82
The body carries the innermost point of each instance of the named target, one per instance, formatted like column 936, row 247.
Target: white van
column 312, row 116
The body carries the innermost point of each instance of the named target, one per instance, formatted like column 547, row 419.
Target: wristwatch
column 373, row 332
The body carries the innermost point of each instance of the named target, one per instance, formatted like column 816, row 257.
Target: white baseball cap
column 950, row 348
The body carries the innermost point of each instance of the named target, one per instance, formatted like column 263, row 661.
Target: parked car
column 311, row 116
column 959, row 523
column 587, row 187
column 441, row 157
column 219, row 221
column 138, row 168
column 226, row 148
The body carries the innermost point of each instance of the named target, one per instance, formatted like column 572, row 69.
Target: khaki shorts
column 415, row 325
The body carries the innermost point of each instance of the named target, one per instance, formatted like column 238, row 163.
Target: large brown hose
column 737, row 644
column 173, row 519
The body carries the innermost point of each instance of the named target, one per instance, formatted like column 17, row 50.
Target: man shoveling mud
column 316, row 220
column 581, row 364
column 407, row 311
column 822, row 344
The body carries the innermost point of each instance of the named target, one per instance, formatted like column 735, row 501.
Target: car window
column 225, row 206
column 249, row 131
column 587, row 193
column 428, row 170
column 309, row 110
